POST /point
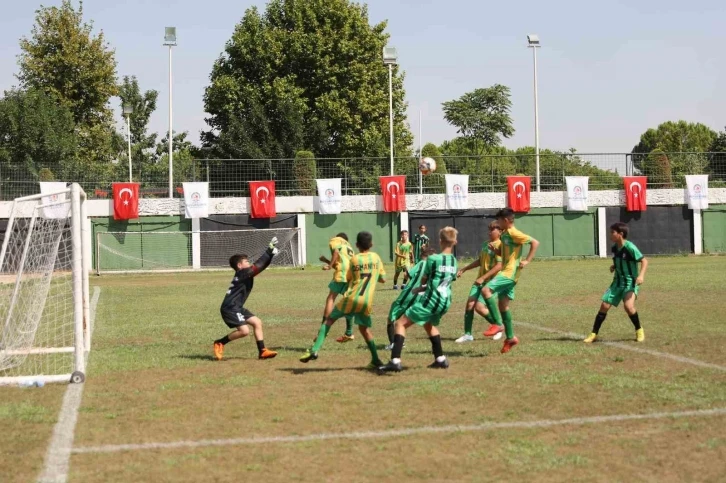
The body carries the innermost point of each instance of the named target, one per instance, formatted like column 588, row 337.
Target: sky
column 607, row 71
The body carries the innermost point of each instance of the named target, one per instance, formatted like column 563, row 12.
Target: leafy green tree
column 37, row 140
column 142, row 143
column 482, row 116
column 657, row 167
column 304, row 173
column 719, row 143
column 304, row 75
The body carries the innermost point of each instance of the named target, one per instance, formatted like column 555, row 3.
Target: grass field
column 152, row 380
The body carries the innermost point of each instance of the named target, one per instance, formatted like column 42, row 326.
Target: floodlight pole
column 171, row 165
column 533, row 41
column 420, row 151
column 128, row 133
column 390, row 109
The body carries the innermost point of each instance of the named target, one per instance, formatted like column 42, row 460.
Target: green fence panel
column 539, row 227
column 714, row 229
column 574, row 234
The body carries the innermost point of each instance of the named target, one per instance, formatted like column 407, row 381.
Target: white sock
column 396, row 360
column 441, row 359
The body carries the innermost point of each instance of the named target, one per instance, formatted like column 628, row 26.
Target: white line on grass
column 55, row 469
column 628, row 347
column 115, row 448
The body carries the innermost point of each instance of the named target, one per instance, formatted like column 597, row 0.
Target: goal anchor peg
column 77, row 377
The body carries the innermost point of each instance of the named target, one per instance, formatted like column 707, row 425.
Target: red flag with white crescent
column 125, row 201
column 518, row 193
column 635, row 187
column 393, row 189
column 262, row 199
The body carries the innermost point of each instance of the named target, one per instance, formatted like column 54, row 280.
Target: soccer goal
column 44, row 305
column 144, row 251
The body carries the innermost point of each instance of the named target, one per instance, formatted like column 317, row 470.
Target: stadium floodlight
column 390, row 58
column 533, row 43
column 128, row 110
column 170, row 41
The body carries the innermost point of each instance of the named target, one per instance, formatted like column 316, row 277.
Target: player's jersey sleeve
column 497, row 257
column 518, row 237
column 634, row 252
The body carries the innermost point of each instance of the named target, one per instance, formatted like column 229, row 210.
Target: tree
column 143, row 106
column 304, row 75
column 719, row 143
column 37, row 140
column 657, row 167
column 305, row 173
column 63, row 58
column 482, row 116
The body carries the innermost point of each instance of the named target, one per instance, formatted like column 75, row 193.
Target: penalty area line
column 628, row 347
column 57, row 458
column 546, row 423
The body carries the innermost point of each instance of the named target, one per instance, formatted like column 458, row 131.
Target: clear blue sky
column 607, row 71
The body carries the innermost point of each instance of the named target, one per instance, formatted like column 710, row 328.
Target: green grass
column 151, row 378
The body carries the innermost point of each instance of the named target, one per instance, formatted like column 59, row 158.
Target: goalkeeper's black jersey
column 242, row 283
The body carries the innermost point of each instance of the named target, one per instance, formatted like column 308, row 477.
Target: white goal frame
column 23, row 208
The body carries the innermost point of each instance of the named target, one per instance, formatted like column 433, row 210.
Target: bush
column 304, row 171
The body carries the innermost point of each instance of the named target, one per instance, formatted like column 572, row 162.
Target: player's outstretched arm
column 490, row 274
column 534, row 244
column 474, row 264
column 264, row 261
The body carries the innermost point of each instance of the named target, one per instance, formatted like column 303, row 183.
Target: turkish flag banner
column 125, row 201
column 635, row 187
column 394, row 193
column 262, row 199
column 518, row 193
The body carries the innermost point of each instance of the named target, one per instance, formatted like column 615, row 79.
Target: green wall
column 138, row 252
column 714, row 229
column 320, row 228
column 561, row 233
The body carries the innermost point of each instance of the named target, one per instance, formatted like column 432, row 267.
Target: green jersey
column 419, row 242
column 626, row 261
column 406, row 298
column 440, row 271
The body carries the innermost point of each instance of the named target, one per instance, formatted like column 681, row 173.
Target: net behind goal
column 44, row 310
column 142, row 251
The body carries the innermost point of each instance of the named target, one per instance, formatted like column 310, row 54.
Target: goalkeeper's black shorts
column 236, row 319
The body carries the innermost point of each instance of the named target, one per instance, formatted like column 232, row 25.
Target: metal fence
column 488, row 173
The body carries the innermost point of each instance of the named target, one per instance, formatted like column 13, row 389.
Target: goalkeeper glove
column 271, row 248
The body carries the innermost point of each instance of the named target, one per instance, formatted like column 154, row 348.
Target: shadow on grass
column 578, row 339
column 303, row 370
column 208, row 358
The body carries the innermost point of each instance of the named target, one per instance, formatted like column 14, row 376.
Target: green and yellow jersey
column 405, row 250
column 366, row 269
column 345, row 252
column 488, row 258
column 440, row 272
column 626, row 261
column 511, row 243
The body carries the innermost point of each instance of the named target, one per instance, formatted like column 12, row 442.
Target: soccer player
column 420, row 242
column 366, row 270
column 489, row 264
column 403, row 260
column 340, row 253
column 439, row 273
column 626, row 282
column 503, row 283
column 406, row 298
column 234, row 314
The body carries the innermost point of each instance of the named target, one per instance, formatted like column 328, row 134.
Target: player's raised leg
column 511, row 340
column 263, row 352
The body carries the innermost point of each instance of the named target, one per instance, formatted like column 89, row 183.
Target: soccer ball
column 427, row 165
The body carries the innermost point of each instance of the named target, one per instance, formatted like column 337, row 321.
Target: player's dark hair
column 403, row 231
column 507, row 213
column 421, row 226
column 364, row 241
column 621, row 228
column 342, row 235
column 235, row 259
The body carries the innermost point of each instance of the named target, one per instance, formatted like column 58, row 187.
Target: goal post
column 176, row 251
column 44, row 288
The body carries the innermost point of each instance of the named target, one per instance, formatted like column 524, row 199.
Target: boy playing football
column 489, row 264
column 340, row 253
column 626, row 282
column 403, row 259
column 439, row 273
column 420, row 242
column 234, row 314
column 366, row 270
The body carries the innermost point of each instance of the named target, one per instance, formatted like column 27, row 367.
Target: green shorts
column 502, row 286
column 401, row 268
column 338, row 287
column 398, row 309
column 614, row 294
column 476, row 294
column 420, row 315
column 358, row 319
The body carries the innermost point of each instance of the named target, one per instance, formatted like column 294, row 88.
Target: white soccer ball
column 427, row 165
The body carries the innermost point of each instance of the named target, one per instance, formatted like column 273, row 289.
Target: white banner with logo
column 457, row 191
column 59, row 209
column 697, row 191
column 196, row 199
column 329, row 196
column 577, row 193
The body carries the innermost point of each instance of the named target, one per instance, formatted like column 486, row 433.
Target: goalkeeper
column 233, row 312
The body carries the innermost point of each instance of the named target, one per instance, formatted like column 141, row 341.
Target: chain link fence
column 487, row 173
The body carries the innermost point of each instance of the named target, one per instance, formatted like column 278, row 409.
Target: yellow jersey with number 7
column 366, row 269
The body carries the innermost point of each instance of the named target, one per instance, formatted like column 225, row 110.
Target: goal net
column 44, row 306
column 141, row 251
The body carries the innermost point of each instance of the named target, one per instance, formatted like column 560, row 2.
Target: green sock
column 374, row 352
column 488, row 317
column 508, row 327
column 322, row 334
column 349, row 326
column 468, row 322
column 494, row 310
